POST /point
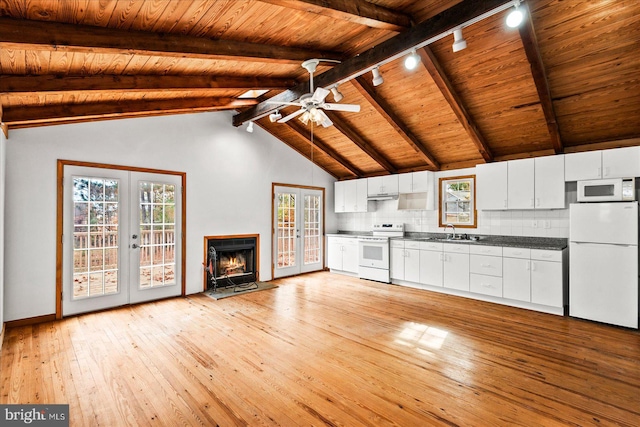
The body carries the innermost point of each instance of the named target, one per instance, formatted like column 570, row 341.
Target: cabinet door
column 431, row 268
column 338, row 191
column 397, row 263
column 491, row 186
column 546, row 283
column 423, row 182
column 350, row 255
column 361, row 195
column 621, row 162
column 516, row 279
column 549, row 182
column 520, row 186
column 456, row 271
column 587, row 165
column 350, row 196
column 334, row 257
column 412, row 265
column 405, row 183
column 390, row 184
column 374, row 185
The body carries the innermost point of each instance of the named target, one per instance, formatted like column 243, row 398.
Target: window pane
column 458, row 204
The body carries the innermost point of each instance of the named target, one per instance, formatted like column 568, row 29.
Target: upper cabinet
column 417, row 191
column 382, row 185
column 350, row 196
column 491, row 186
column 521, row 184
column 614, row 163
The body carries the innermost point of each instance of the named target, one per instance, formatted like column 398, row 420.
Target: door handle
column 135, row 236
column 134, row 246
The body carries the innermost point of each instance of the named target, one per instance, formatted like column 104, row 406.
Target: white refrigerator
column 603, row 262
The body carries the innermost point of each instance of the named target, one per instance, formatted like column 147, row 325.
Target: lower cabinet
column 431, row 263
column 546, row 275
column 456, row 266
column 516, row 274
column 405, row 260
column 342, row 253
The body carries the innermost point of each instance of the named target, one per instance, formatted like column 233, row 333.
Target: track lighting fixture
column 274, row 117
column 412, row 60
column 459, row 42
column 250, row 127
column 515, row 17
column 337, row 95
column 377, row 78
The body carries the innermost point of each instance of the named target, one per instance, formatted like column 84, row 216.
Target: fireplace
column 231, row 260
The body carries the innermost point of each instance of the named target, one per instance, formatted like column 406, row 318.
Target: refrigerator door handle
column 610, row 244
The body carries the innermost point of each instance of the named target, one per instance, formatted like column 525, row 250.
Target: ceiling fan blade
column 291, row 116
column 354, row 108
column 283, row 103
column 326, row 121
column 319, row 95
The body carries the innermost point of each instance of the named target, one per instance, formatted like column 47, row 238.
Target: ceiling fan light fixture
column 274, row 117
column 337, row 95
column 377, row 78
column 250, row 127
column 304, row 118
column 412, row 60
column 459, row 42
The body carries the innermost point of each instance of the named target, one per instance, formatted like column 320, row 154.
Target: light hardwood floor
column 324, row 349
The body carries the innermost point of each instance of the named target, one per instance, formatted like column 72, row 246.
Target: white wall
column 229, row 177
column 3, row 180
column 505, row 223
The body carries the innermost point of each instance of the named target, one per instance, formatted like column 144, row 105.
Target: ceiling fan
column 312, row 104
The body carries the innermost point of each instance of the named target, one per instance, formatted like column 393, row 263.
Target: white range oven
column 373, row 252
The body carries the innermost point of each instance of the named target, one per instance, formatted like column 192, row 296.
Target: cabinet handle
column 533, row 266
column 606, row 171
column 599, row 171
column 442, row 257
column 528, row 265
column 486, row 285
column 485, row 265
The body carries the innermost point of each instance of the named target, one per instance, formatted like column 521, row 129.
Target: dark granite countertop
column 550, row 243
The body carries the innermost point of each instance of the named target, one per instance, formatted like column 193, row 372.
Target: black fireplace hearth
column 231, row 260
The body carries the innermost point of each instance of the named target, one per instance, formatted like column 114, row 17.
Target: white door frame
column 62, row 209
column 300, row 266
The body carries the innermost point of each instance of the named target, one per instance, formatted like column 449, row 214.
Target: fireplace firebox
column 231, row 260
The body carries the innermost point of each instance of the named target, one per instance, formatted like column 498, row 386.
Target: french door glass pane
column 157, row 231
column 311, row 229
column 95, row 237
column 286, row 233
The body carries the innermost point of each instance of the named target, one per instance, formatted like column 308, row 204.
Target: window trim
column 441, row 210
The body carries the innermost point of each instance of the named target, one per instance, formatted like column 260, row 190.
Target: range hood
column 382, row 197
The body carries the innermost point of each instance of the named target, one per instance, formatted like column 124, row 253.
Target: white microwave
column 607, row 190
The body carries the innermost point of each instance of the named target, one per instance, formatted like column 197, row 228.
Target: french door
column 298, row 230
column 121, row 238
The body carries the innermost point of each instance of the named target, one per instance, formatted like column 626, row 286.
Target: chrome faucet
column 453, row 235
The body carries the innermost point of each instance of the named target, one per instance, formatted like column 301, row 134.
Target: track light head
column 250, row 127
column 377, row 78
column 515, row 17
column 274, row 117
column 337, row 95
column 412, row 60
column 459, row 42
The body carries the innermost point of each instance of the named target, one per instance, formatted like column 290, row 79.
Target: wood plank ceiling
column 568, row 80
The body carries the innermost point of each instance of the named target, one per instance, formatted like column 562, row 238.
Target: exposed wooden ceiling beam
column 530, row 42
column 19, row 85
column 320, row 145
column 24, row 116
column 357, row 11
column 357, row 139
column 436, row 25
column 42, row 35
column 386, row 111
column 441, row 80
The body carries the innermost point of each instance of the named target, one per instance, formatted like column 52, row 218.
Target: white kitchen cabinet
column 456, row 266
column 350, row 196
column 405, row 260
column 396, row 259
column 382, row 185
column 431, row 263
column 516, row 274
column 613, row 163
column 549, row 182
column 485, row 268
column 491, row 186
column 416, row 182
column 343, row 253
column 521, row 184
column 546, row 277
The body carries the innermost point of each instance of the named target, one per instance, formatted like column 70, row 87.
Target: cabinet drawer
column 396, row 243
column 411, row 244
column 546, row 255
column 487, row 285
column 486, row 250
column 484, row 264
column 524, row 253
column 431, row 246
column 456, row 248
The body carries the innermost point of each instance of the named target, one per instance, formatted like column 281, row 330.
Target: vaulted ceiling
column 567, row 80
